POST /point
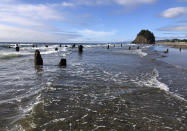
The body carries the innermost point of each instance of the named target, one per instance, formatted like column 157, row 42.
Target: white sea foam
column 140, row 53
column 153, row 82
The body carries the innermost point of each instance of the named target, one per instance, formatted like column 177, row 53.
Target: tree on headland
column 145, row 37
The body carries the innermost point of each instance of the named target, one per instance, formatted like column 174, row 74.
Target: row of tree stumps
column 129, row 48
column 38, row 61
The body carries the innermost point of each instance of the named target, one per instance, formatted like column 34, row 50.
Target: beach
column 100, row 88
column 178, row 45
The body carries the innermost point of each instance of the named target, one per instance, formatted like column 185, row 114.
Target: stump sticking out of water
column 108, row 47
column 17, row 48
column 129, row 48
column 121, row 45
column 73, row 46
column 38, row 58
column 114, row 45
column 80, row 47
column 60, row 45
column 56, row 49
column 62, row 63
column 166, row 51
column 180, row 49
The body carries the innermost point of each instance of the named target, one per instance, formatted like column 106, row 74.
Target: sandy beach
column 182, row 45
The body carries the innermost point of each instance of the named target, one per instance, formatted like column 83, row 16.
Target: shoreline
column 178, row 45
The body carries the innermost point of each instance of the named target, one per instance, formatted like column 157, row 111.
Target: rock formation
column 144, row 37
column 38, row 58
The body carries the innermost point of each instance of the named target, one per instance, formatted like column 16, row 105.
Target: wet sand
column 178, row 45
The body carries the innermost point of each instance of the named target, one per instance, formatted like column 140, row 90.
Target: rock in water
column 80, row 47
column 144, row 37
column 60, row 45
column 56, row 49
column 38, row 58
column 62, row 62
column 46, row 45
column 129, row 48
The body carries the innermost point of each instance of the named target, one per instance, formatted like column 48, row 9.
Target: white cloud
column 178, row 28
column 12, row 34
column 66, row 4
column 174, row 12
column 133, row 2
column 29, row 22
column 92, row 33
column 106, row 2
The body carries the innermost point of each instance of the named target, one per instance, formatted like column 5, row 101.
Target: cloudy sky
column 90, row 20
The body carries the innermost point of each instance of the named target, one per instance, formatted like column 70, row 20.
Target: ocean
column 100, row 89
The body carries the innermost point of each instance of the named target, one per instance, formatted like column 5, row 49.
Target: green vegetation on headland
column 145, row 37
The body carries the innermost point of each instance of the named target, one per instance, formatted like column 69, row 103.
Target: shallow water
column 100, row 89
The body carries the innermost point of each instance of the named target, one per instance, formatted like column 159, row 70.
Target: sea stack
column 62, row 62
column 38, row 58
column 80, row 47
column 144, row 37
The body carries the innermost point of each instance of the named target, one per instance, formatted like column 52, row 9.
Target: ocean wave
column 10, row 56
column 153, row 82
column 138, row 52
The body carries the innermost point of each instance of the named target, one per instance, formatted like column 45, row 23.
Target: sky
column 90, row 20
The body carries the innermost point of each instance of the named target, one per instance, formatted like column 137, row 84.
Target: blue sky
column 90, row 20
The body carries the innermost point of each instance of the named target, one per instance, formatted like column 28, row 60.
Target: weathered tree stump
column 166, row 51
column 80, row 47
column 62, row 63
column 38, row 58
